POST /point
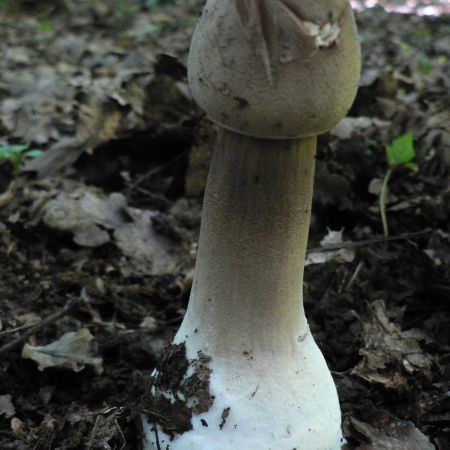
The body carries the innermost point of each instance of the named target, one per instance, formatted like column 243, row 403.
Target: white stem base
column 293, row 405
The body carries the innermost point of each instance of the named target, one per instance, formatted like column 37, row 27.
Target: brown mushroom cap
column 275, row 68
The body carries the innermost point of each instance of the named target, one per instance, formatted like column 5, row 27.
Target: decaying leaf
column 149, row 324
column 340, row 255
column 28, row 319
column 94, row 429
column 349, row 126
column 387, row 345
column 72, row 351
column 66, row 213
column 387, row 432
column 18, row 428
column 138, row 240
column 6, row 406
column 59, row 155
column 39, row 105
column 94, row 220
column 99, row 121
column 438, row 248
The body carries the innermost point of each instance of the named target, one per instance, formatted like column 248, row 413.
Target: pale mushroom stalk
column 246, row 301
column 244, row 372
column 246, row 311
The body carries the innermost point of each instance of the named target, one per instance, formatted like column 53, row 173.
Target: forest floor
column 98, row 234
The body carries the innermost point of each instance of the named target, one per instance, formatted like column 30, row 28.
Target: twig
column 154, row 171
column 40, row 325
column 383, row 194
column 356, row 244
column 15, row 330
column 158, row 445
column 354, row 276
column 94, row 431
column 121, row 433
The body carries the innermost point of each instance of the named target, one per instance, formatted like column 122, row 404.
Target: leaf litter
column 72, row 351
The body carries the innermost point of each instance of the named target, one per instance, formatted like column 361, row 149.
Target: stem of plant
column 383, row 194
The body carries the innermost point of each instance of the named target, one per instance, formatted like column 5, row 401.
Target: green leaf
column 401, row 93
column 423, row 32
column 140, row 32
column 425, row 67
column 152, row 3
column 401, row 151
column 35, row 153
column 45, row 26
column 15, row 153
column 412, row 166
column 9, row 150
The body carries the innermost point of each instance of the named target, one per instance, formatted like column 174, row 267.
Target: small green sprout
column 152, row 3
column 45, row 26
column 16, row 153
column 425, row 67
column 399, row 154
column 141, row 32
column 423, row 32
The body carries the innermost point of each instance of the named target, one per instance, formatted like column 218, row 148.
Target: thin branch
column 383, row 195
column 154, row 171
column 40, row 325
column 94, row 431
column 378, row 240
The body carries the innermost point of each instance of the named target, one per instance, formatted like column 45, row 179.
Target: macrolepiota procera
column 244, row 372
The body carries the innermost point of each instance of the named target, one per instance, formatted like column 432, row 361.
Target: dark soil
column 95, row 87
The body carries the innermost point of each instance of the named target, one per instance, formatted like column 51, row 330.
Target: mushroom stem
column 253, row 240
column 251, row 375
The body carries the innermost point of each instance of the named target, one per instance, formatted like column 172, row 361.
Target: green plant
column 150, row 3
column 5, row 5
column 423, row 32
column 425, row 67
column 400, row 153
column 45, row 26
column 16, row 153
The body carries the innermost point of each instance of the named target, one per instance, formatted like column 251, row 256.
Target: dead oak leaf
column 94, row 220
column 331, row 250
column 386, row 432
column 72, row 351
column 99, row 121
column 6, row 406
column 386, row 345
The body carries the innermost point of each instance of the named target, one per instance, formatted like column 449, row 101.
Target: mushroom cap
column 275, row 68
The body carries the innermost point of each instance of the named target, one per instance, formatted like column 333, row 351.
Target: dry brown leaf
column 6, row 406
column 340, row 255
column 99, row 122
column 385, row 344
column 388, row 433
column 90, row 218
column 349, row 126
column 72, row 351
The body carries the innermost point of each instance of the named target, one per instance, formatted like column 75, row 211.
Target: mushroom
column 243, row 371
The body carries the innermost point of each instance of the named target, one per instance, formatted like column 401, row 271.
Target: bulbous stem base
column 261, row 407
